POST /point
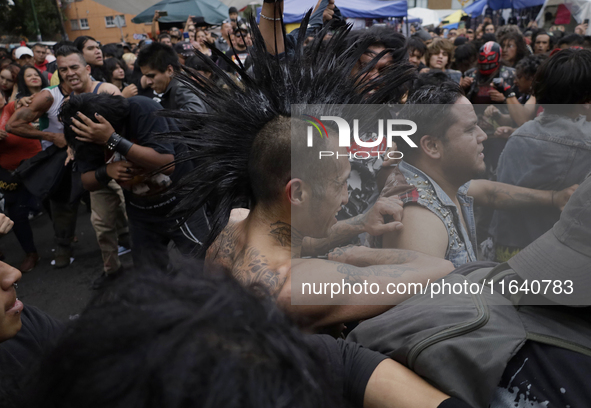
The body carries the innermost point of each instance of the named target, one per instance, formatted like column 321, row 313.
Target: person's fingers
column 388, row 227
column 101, row 119
column 77, row 125
column 82, row 117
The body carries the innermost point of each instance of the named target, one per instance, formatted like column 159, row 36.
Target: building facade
column 86, row 17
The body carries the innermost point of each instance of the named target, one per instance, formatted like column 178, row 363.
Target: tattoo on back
column 248, row 265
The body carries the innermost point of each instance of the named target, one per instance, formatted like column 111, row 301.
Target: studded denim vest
column 461, row 243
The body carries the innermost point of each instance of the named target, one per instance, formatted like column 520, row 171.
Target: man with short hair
column 438, row 213
column 40, row 54
column 542, row 42
column 159, row 64
column 24, row 56
column 164, row 38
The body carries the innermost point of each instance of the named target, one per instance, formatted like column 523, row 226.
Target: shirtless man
column 291, row 200
column 75, row 77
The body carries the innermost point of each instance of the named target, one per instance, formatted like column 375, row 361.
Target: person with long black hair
column 30, row 81
column 116, row 72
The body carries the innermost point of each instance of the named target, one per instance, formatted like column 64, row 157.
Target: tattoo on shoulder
column 252, row 268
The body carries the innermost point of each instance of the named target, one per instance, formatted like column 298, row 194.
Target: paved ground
column 59, row 292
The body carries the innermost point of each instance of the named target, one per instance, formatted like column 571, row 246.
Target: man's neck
column 449, row 187
column 273, row 232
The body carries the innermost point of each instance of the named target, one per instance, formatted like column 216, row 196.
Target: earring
column 15, row 285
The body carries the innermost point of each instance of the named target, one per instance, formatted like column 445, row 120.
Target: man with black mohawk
column 246, row 157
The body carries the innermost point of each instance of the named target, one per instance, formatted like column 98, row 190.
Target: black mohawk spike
column 220, row 141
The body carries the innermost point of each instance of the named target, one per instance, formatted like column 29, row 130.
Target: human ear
column 431, row 146
column 296, row 192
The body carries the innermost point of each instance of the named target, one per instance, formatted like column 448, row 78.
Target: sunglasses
column 470, row 32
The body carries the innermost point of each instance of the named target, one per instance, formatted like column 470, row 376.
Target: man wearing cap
column 159, row 63
column 184, row 50
column 24, row 56
column 234, row 19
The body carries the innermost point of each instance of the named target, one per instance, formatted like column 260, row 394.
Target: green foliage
column 18, row 20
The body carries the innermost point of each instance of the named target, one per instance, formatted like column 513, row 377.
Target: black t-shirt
column 142, row 127
column 546, row 377
column 350, row 365
column 243, row 56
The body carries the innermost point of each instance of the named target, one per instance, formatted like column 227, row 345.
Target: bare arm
column 521, row 113
column 393, row 385
column 423, row 231
column 503, row 196
column 20, row 123
column 373, row 222
column 155, row 25
column 110, row 89
column 329, row 309
column 272, row 31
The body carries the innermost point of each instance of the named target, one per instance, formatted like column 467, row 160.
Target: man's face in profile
column 10, row 306
column 462, row 156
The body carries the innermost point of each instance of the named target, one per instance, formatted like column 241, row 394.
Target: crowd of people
column 205, row 143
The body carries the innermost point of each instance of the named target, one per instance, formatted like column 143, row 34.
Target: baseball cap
column 184, row 48
column 20, row 51
column 563, row 253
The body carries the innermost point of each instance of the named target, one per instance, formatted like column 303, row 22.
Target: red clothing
column 42, row 67
column 15, row 149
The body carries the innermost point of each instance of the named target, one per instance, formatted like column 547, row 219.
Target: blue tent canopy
column 520, row 4
column 475, row 9
column 294, row 10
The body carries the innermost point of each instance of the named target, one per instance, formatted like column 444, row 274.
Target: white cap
column 20, row 51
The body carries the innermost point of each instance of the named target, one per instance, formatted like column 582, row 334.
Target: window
column 74, row 24
column 84, row 24
column 111, row 21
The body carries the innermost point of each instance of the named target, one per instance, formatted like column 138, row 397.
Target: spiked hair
column 241, row 147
